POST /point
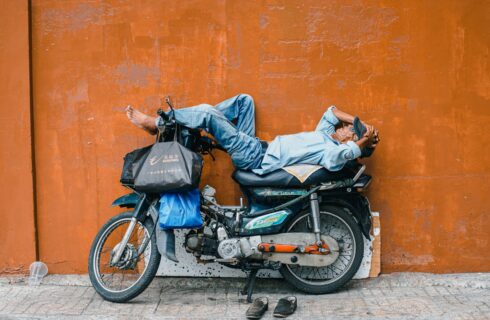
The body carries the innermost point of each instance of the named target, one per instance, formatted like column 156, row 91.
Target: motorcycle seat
column 281, row 178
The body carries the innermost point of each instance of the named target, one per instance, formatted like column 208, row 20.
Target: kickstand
column 249, row 287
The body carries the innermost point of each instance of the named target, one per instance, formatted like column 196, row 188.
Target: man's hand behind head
column 369, row 134
column 370, row 137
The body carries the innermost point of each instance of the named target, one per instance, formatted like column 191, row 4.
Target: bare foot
column 141, row 120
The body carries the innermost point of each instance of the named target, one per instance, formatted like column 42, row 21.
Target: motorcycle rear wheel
column 340, row 225
column 144, row 269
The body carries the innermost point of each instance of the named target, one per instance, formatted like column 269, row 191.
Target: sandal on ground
column 285, row 307
column 258, row 308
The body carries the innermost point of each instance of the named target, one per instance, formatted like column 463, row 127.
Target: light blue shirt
column 315, row 147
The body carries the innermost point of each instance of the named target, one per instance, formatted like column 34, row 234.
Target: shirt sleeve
column 337, row 156
column 328, row 122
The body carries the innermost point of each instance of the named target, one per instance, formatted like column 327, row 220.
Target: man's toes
column 129, row 111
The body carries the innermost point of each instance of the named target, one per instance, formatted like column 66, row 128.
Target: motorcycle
column 311, row 231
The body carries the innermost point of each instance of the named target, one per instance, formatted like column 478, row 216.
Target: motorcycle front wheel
column 340, row 225
column 133, row 273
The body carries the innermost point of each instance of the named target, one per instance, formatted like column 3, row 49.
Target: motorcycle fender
column 127, row 201
column 358, row 206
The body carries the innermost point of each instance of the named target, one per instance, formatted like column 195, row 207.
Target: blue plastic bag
column 180, row 210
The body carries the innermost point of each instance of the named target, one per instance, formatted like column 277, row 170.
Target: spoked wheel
column 133, row 273
column 341, row 226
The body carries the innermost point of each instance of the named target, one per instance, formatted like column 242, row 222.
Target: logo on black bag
column 164, row 159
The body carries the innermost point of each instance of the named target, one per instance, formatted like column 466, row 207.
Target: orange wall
column 418, row 70
column 17, row 238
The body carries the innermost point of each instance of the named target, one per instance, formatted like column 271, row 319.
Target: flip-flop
column 258, row 308
column 285, row 307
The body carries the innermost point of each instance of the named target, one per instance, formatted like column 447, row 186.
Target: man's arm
column 343, row 116
column 328, row 121
column 336, row 156
column 331, row 117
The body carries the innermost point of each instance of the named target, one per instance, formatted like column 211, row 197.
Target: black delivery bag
column 169, row 167
column 132, row 163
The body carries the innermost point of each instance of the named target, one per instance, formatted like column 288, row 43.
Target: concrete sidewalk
column 395, row 296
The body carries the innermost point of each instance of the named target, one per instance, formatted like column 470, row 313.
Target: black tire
column 149, row 273
column 335, row 283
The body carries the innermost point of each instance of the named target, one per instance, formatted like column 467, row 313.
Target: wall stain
column 80, row 16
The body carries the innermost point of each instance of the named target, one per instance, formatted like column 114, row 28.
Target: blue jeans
column 239, row 140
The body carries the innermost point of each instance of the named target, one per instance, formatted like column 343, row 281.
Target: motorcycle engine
column 229, row 248
column 214, row 241
column 238, row 247
column 201, row 243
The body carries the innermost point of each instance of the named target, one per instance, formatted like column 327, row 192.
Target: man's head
column 345, row 132
column 350, row 132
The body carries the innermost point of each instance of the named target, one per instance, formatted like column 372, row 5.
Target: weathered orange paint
column 417, row 70
column 17, row 239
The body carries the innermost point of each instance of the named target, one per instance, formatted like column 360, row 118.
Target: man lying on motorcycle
column 338, row 138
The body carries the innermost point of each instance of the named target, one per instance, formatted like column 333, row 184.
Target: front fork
column 315, row 216
column 138, row 211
